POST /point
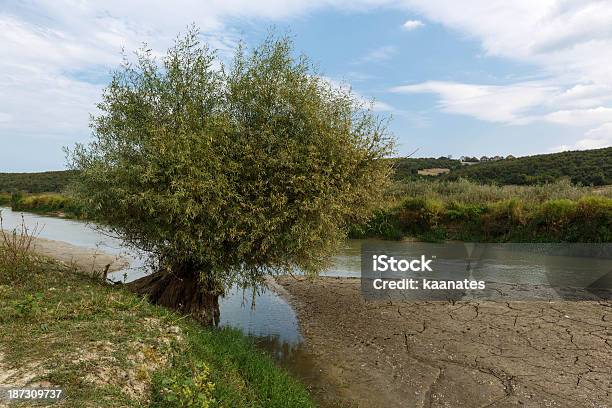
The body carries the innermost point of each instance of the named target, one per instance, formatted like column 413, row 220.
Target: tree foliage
column 230, row 172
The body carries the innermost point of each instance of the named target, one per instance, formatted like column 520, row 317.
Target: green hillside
column 48, row 181
column 586, row 167
column 406, row 168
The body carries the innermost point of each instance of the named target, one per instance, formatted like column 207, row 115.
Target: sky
column 476, row 77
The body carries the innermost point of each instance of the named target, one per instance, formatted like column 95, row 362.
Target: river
column 273, row 320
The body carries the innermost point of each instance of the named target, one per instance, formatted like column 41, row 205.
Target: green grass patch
column 109, row 348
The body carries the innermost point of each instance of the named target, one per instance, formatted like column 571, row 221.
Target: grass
column 109, row 348
column 468, row 192
column 466, row 211
column 46, row 203
column 5, row 198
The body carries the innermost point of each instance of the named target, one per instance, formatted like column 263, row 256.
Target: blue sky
column 487, row 77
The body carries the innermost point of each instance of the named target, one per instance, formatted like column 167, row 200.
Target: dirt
column 84, row 259
column 445, row 354
column 433, row 171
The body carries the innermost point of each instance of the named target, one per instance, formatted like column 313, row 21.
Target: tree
column 228, row 173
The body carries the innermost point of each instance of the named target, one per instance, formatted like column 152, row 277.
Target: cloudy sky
column 481, row 77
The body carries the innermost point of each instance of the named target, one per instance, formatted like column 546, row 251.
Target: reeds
column 16, row 251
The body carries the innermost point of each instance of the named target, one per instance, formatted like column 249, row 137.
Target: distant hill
column 48, row 181
column 586, row 167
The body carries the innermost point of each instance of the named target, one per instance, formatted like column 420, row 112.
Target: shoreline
column 84, row 259
column 468, row 353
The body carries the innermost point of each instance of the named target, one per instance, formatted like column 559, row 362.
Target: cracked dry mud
column 440, row 354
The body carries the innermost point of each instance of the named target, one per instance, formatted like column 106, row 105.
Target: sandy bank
column 84, row 259
column 466, row 354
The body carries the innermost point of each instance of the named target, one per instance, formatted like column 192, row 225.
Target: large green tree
column 227, row 173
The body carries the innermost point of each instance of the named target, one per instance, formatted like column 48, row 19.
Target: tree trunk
column 183, row 293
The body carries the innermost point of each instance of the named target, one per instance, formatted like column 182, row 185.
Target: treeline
column 45, row 182
column 587, row 167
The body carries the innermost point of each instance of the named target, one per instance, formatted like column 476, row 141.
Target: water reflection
column 271, row 316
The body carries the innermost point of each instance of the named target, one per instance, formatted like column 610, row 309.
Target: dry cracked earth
column 445, row 354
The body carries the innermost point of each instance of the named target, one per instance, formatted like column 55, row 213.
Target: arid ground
column 444, row 354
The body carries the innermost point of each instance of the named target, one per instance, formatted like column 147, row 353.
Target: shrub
column 49, row 203
column 456, row 211
column 503, row 218
column 555, row 216
column 384, row 224
column 419, row 215
column 592, row 220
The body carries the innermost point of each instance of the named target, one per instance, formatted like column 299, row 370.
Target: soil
column 451, row 354
column 84, row 259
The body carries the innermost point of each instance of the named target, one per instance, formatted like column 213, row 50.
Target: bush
column 384, row 224
column 465, row 211
column 593, row 220
column 5, row 198
column 193, row 390
column 419, row 215
column 555, row 216
column 503, row 218
column 47, row 203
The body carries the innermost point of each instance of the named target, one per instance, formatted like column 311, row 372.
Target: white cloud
column 379, row 106
column 596, row 138
column 505, row 104
column 581, row 117
column 375, row 105
column 593, row 139
column 380, row 54
column 518, row 104
column 410, row 25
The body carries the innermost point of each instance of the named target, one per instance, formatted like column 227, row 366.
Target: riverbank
column 105, row 347
column 430, row 210
column 471, row 212
column 89, row 261
column 52, row 204
column 466, row 354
